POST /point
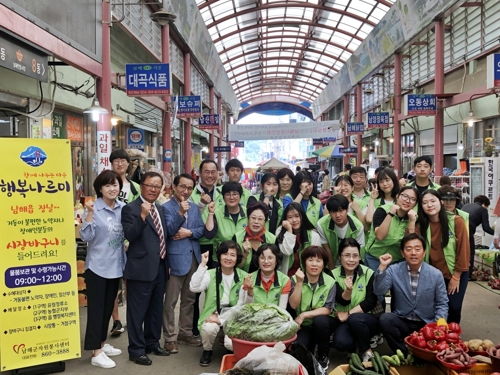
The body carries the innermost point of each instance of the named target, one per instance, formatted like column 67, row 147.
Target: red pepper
column 441, row 328
column 452, row 337
column 428, row 333
column 442, row 345
column 413, row 337
column 439, row 335
column 454, row 327
column 431, row 345
column 420, row 342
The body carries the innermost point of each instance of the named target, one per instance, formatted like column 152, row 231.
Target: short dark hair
column 422, row 158
column 377, row 171
column 482, row 199
column 348, row 166
column 357, row 170
column 234, row 163
column 445, row 180
column 283, row 172
column 177, row 178
column 258, row 206
column 104, row 178
column 409, row 237
column 314, row 251
column 150, row 174
column 274, row 249
column 232, row 186
column 344, row 178
column 267, row 176
column 387, row 172
column 297, row 168
column 326, row 172
column 224, row 248
column 208, row 161
column 348, row 242
column 337, row 203
column 119, row 153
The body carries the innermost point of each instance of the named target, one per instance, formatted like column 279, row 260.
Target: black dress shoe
column 206, row 358
column 141, row 360
column 158, row 351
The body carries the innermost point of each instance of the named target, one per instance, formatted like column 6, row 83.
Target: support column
column 187, row 124
column 346, row 120
column 397, row 112
column 103, row 93
column 167, row 118
column 212, row 132
column 221, row 131
column 439, row 89
column 359, row 113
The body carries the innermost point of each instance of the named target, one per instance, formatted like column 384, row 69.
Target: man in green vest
column 358, row 175
column 338, row 225
column 423, row 168
column 234, row 170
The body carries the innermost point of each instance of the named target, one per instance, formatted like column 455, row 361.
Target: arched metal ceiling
column 287, row 47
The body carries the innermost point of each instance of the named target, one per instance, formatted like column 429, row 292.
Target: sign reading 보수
column 39, row 320
column 147, row 79
column 378, row 120
column 420, row 105
column 209, row 122
column 189, row 106
column 354, row 128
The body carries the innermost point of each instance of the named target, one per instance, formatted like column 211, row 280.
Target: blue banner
column 378, row 120
column 147, row 79
column 421, row 104
column 189, row 106
column 222, row 148
column 135, row 139
column 348, row 150
column 209, row 122
column 354, row 128
column 240, row 144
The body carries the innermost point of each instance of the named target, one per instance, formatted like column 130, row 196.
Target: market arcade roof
column 287, row 47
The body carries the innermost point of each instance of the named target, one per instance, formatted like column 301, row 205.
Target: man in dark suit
column 146, row 270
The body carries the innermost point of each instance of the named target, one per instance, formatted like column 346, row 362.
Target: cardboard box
column 428, row 369
column 479, row 369
column 77, row 230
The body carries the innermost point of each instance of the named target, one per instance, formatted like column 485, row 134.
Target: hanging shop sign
column 135, row 139
column 39, row 319
column 317, row 141
column 420, row 105
column 355, row 128
column 167, row 156
column 348, row 150
column 222, row 148
column 189, row 106
column 327, row 141
column 147, row 79
column 74, row 128
column 209, row 122
column 58, row 125
column 239, row 144
column 491, row 180
column 22, row 58
column 378, row 120
column 103, row 150
column 493, row 71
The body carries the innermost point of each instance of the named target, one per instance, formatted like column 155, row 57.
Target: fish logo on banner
column 33, row 156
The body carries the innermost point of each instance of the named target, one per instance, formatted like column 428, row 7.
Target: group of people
column 329, row 265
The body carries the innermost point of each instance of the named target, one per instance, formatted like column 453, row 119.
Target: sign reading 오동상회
column 39, row 317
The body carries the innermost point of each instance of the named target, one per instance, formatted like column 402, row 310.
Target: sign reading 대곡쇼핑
column 147, row 79
column 354, row 128
column 209, row 122
column 189, row 106
column 420, row 105
column 378, row 120
column 39, row 317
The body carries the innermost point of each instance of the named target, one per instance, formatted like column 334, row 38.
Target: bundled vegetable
column 261, row 323
column 456, row 356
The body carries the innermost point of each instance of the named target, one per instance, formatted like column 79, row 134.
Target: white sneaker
column 367, row 356
column 111, row 351
column 103, row 361
column 376, row 341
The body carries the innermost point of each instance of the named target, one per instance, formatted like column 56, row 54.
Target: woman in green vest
column 313, row 298
column 303, row 192
column 383, row 192
column 355, row 300
column 268, row 285
column 391, row 222
column 285, row 177
column 223, row 290
column 451, row 197
column 295, row 234
column 254, row 235
column 270, row 189
column 447, row 248
column 345, row 186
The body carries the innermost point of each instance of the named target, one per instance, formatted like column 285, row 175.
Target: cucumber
column 381, row 363
column 396, row 359
column 410, row 359
column 375, row 364
column 400, row 355
column 355, row 369
column 357, row 362
column 389, row 360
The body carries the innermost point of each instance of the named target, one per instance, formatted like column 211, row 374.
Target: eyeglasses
column 184, row 187
column 407, row 198
column 120, row 161
column 350, row 256
column 152, row 187
column 232, row 195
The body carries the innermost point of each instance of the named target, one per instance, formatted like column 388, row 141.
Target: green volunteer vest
column 239, row 237
column 226, row 228
column 314, row 299
column 432, row 185
column 326, row 223
column 210, row 305
column 449, row 250
column 243, row 199
column 301, row 248
column 196, row 197
column 390, row 244
column 274, row 294
column 280, row 209
column 313, row 210
column 358, row 294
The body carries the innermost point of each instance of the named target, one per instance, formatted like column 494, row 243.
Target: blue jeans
column 371, row 262
column 456, row 300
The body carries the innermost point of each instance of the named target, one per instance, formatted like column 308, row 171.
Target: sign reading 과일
column 39, row 318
